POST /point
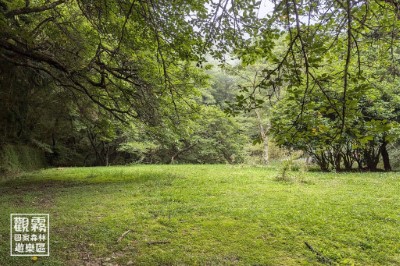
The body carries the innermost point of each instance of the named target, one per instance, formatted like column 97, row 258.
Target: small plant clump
column 293, row 171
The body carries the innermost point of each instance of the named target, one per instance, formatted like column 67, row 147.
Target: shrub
column 19, row 158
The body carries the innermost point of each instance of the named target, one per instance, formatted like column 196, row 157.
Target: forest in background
column 85, row 83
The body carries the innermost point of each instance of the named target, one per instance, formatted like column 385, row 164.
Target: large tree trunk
column 264, row 138
column 385, row 157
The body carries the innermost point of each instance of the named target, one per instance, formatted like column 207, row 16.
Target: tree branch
column 28, row 10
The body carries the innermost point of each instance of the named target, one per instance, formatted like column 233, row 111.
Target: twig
column 123, row 235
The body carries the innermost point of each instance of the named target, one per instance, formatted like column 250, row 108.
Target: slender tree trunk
column 264, row 138
column 265, row 151
column 358, row 158
column 92, row 141
column 172, row 161
column 338, row 159
column 107, row 155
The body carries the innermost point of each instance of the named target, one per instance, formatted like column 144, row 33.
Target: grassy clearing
column 202, row 214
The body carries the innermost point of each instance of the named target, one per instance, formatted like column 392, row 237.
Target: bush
column 293, row 171
column 286, row 168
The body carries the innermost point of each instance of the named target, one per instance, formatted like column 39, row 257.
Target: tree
column 257, row 104
column 371, row 119
column 109, row 64
column 89, row 48
column 325, row 73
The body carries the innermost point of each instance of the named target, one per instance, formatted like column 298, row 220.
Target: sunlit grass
column 208, row 214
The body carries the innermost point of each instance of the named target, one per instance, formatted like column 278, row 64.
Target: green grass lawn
column 207, row 215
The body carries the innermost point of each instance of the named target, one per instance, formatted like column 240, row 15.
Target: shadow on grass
column 354, row 170
column 34, row 183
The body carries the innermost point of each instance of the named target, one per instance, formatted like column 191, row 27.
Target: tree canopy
column 131, row 78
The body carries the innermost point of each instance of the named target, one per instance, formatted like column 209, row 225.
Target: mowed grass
column 207, row 215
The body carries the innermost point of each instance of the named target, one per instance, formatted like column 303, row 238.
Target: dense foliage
column 109, row 82
column 85, row 80
column 335, row 64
